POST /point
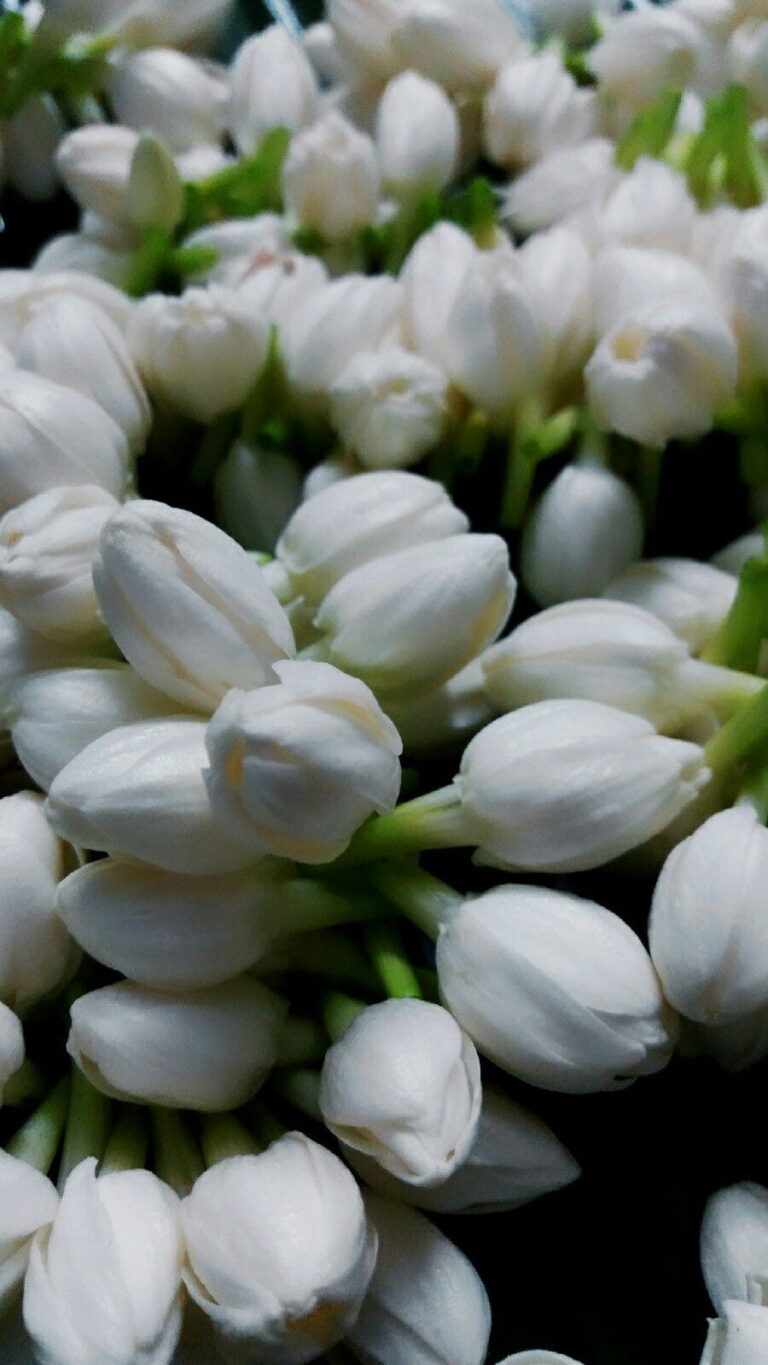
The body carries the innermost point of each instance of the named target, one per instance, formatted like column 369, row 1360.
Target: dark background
column 606, row 1271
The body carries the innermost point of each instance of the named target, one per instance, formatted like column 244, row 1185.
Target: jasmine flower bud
column 272, row 85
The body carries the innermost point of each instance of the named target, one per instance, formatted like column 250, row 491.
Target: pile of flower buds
column 421, row 266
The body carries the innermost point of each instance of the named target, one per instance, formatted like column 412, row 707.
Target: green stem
column 308, row 905
column 177, row 1158
column 26, row 1084
column 302, row 1042
column 148, row 263
column 223, row 1136
column 387, row 952
column 739, row 641
column 426, row 900
column 212, row 449
column 301, row 1088
column 126, row 1149
column 743, row 738
column 755, row 794
column 266, row 1124
column 339, row 1011
column 328, row 955
column 37, row 1141
column 87, row 1127
column 432, row 821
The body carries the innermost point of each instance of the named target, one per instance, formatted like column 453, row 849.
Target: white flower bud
column 692, row 598
column 561, row 184
column 23, row 292
column 155, row 194
column 403, row 1085
column 740, row 1337
column 28, row 1201
column 380, row 621
column 707, row 923
column 745, row 286
column 188, row 607
column 345, row 316
column 458, row 46
column 536, row 1357
column 496, row 344
column 554, row 989
column 170, row 931
column 11, row 1046
column 734, row 1245
column 56, row 713
column 331, row 178
column 356, row 521
column 628, row 279
column 23, row 652
column 50, row 435
column 140, row 790
column 272, row 86
column 432, row 277
column 36, row 953
column 94, row 163
column 643, row 53
column 747, row 58
column 558, row 275
column 30, row 141
column 200, row 353
column 76, row 344
column 169, row 94
column 417, row 135
column 572, row 21
column 651, row 207
column 584, row 529
column 363, row 30
column 141, row 23
column 280, row 1251
column 297, row 767
column 105, row 1283
column 239, row 242
column 663, row 373
column 732, row 558
column 600, row 651
column 47, row 546
column 256, row 491
column 563, row 786
column 426, row 1304
column 209, row 1050
column 515, row 1158
column 535, row 107
column 389, row 407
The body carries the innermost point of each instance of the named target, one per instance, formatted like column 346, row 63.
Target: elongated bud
column 423, row 1290
column 200, row 353
column 51, row 435
column 389, row 407
column 643, row 53
column 280, row 1250
column 569, row 785
column 734, row 1245
column 23, row 292
column 23, row 652
column 331, row 178
column 514, row 1158
column 170, row 931
column 692, row 598
column 555, row 989
column 599, row 651
column 107, row 1278
column 57, row 713
column 154, row 194
column 139, row 790
column 36, row 953
column 297, row 767
column 584, row 530
column 76, row 343
column 417, row 135
column 432, row 277
column 47, row 545
column 345, row 316
column 561, row 184
column 189, row 608
column 456, row 46
column 403, row 1086
column 30, row 142
column 29, row 1203
column 628, row 279
column 272, row 86
column 706, row 928
column 379, row 620
column 208, row 1050
column 732, row 558
column 94, row 163
column 535, row 107
column 173, row 96
column 360, row 520
column 739, row 1337
column 11, row 1046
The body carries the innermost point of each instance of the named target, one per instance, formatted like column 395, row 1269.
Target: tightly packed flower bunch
column 303, row 800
